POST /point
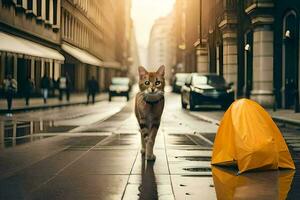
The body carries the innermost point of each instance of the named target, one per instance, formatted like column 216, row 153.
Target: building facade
column 30, row 40
column 255, row 45
column 80, row 38
column 94, row 40
column 161, row 47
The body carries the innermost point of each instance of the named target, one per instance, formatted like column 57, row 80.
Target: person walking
column 64, row 83
column 28, row 89
column 92, row 89
column 10, row 89
column 45, row 85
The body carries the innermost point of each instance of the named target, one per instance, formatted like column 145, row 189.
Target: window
column 29, row 4
column 55, row 12
column 47, row 10
column 39, row 7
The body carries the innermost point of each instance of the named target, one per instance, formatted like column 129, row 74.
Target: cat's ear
column 161, row 70
column 142, row 71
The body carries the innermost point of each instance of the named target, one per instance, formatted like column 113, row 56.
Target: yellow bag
column 248, row 137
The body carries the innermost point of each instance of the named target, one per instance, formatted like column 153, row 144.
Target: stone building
column 30, row 40
column 161, row 47
column 255, row 45
column 79, row 37
column 94, row 40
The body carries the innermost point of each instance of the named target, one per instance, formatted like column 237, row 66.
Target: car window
column 200, row 80
column 120, row 81
column 216, row 80
column 181, row 77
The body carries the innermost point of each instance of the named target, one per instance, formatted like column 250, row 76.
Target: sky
column 144, row 13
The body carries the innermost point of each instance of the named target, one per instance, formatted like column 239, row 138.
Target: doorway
column 290, row 59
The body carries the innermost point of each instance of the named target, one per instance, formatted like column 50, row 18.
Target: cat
column 149, row 105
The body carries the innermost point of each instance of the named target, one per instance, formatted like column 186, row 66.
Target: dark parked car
column 120, row 86
column 202, row 89
column 178, row 81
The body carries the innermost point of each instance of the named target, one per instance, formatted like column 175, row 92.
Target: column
column 58, row 18
column 24, row 4
column 32, row 64
column 43, row 9
column 202, row 58
column 34, row 7
column 263, row 42
column 15, row 65
column 263, row 65
column 230, row 56
column 2, row 67
column 51, row 12
column 42, row 67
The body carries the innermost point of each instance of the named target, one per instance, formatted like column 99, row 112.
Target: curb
column 276, row 119
column 44, row 107
column 286, row 121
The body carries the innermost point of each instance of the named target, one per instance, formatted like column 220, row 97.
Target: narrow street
column 92, row 152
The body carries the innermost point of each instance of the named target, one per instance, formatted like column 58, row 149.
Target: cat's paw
column 151, row 157
column 143, row 152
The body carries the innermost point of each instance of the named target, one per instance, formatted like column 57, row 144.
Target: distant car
column 203, row 89
column 120, row 86
column 178, row 81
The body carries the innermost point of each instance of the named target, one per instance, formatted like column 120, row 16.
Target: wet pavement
column 92, row 152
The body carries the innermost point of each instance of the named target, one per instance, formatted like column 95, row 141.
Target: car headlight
column 229, row 90
column 198, row 90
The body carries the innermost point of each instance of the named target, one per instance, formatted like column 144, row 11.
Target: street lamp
column 287, row 34
column 247, row 47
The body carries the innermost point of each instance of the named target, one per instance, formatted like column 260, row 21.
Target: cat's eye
column 157, row 82
column 147, row 83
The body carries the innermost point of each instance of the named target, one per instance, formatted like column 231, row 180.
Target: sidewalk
column 281, row 116
column 38, row 103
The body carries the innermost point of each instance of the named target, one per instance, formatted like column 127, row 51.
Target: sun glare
column 144, row 13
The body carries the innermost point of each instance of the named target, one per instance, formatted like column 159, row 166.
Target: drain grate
column 198, row 169
column 195, row 158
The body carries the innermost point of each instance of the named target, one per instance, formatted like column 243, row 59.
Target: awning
column 20, row 46
column 81, row 55
column 111, row 64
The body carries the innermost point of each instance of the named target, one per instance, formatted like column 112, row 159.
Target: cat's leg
column 144, row 134
column 150, row 143
column 144, row 137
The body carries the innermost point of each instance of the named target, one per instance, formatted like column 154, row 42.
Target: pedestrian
column 10, row 89
column 92, row 89
column 45, row 85
column 68, row 86
column 64, row 86
column 28, row 89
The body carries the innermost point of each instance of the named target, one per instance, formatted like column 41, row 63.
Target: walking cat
column 149, row 105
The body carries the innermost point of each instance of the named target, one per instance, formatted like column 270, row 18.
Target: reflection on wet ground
column 148, row 186
column 14, row 133
column 274, row 184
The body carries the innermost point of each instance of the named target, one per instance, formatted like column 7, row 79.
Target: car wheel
column 183, row 105
column 109, row 98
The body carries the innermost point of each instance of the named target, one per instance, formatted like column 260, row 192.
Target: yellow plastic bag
column 248, row 137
